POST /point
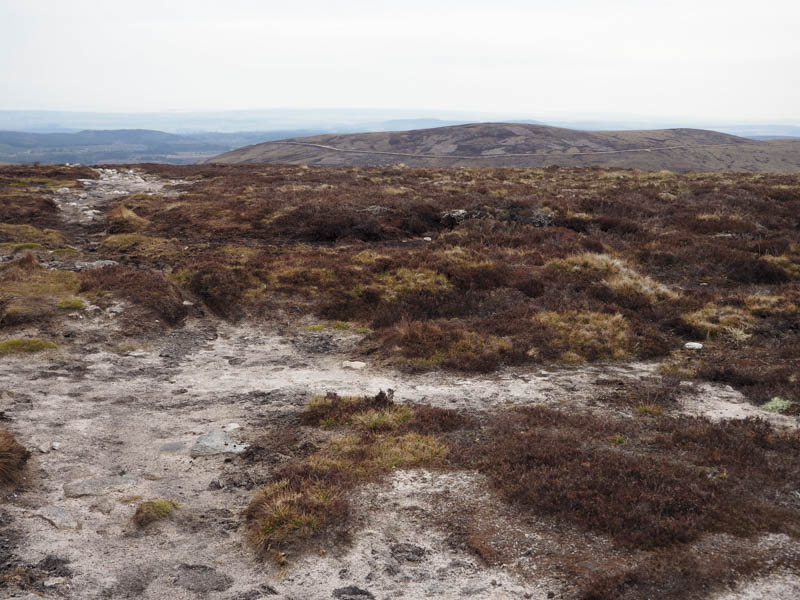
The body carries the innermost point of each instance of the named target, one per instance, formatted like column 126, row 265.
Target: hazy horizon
column 689, row 62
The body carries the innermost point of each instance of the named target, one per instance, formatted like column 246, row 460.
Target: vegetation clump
column 152, row 511
column 24, row 346
column 307, row 499
column 13, row 457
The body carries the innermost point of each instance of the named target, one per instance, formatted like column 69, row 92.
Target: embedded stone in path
column 58, row 517
column 216, row 442
column 96, row 486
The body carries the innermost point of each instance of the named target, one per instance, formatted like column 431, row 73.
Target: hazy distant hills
column 519, row 144
column 124, row 145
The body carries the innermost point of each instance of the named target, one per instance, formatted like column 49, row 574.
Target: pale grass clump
column 788, row 262
column 617, row 275
column 396, row 282
column 712, row 320
column 382, row 420
column 765, row 305
column 368, row 257
column 123, row 220
column 587, row 335
column 31, row 234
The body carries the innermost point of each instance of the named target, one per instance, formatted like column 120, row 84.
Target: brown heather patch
column 150, row 289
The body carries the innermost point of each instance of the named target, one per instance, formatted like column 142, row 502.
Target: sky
column 698, row 59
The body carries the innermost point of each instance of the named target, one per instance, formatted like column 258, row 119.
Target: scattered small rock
column 95, row 264
column 56, row 445
column 216, row 442
column 231, row 427
column 693, row 346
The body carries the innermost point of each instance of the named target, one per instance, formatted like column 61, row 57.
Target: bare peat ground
column 114, row 418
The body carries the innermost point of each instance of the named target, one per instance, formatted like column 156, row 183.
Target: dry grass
column 581, row 336
column 13, row 457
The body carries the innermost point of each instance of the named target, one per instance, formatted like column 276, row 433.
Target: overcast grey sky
column 720, row 59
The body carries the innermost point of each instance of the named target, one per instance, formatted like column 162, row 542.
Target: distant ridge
column 531, row 145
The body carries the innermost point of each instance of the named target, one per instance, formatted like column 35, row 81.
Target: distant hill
column 124, row 145
column 521, row 144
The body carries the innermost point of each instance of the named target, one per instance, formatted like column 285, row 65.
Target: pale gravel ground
column 113, row 415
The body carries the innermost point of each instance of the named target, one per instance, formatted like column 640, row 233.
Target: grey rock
column 408, row 552
column 116, row 309
column 95, row 264
column 216, row 442
column 454, row 217
column 96, row 486
column 55, row 445
column 60, row 518
column 375, row 210
column 351, row 592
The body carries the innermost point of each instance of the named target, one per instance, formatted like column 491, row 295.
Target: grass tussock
column 13, row 457
column 151, row 511
column 31, row 293
column 122, row 219
column 25, row 346
column 579, row 336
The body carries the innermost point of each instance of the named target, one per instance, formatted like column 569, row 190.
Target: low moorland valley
column 367, row 382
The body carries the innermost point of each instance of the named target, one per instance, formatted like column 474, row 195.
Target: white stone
column 353, row 364
column 231, row 427
column 693, row 346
